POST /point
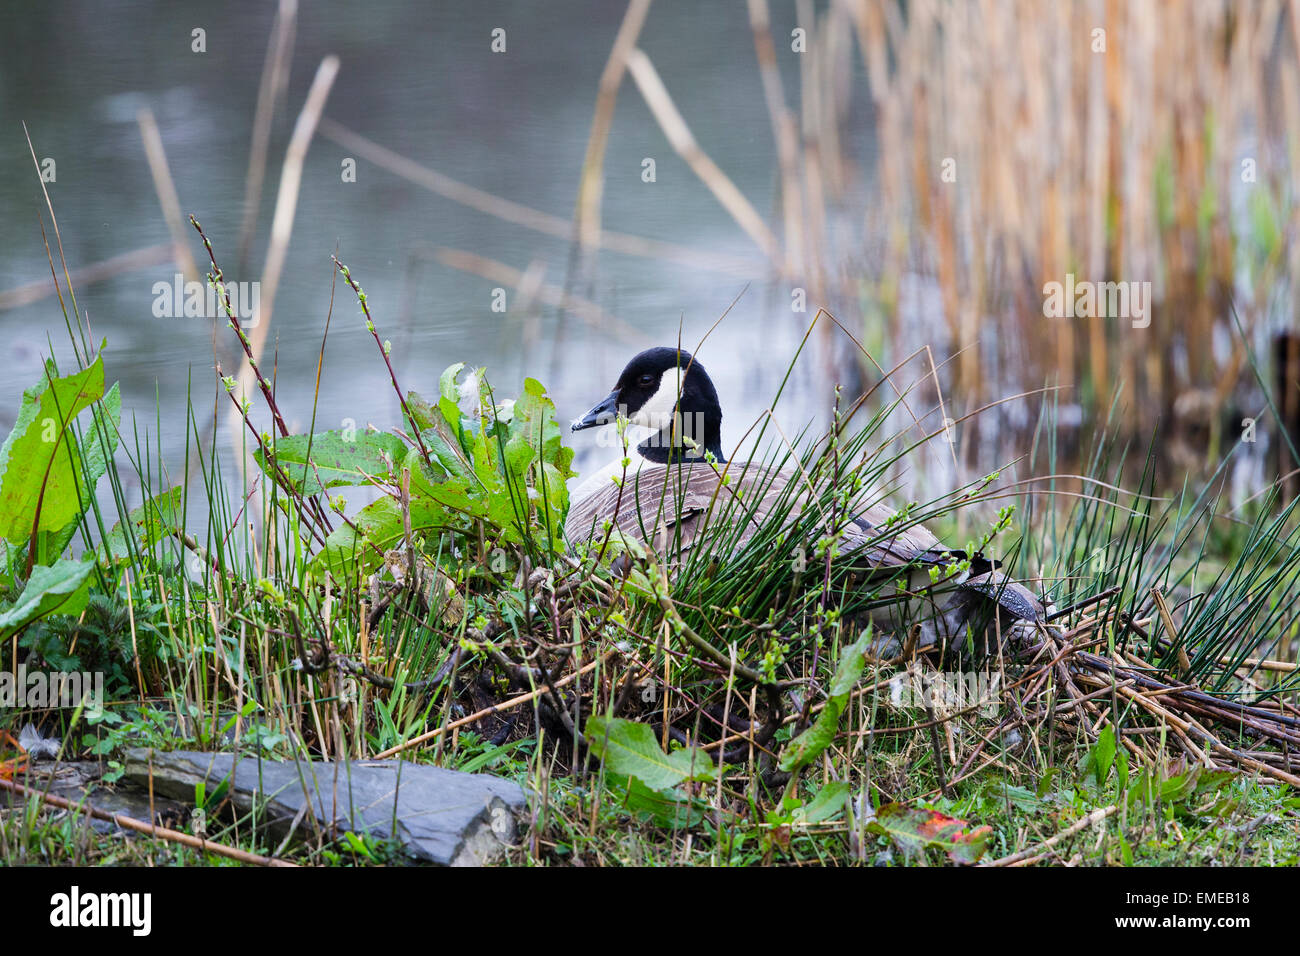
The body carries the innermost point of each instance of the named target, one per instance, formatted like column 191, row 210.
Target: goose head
column 669, row 392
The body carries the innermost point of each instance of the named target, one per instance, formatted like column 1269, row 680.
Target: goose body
column 678, row 492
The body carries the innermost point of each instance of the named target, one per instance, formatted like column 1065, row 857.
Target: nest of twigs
column 1078, row 680
column 1075, row 675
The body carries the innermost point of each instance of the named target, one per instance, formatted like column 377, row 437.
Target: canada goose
column 669, row 492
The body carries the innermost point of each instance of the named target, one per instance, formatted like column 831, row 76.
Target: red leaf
column 914, row 828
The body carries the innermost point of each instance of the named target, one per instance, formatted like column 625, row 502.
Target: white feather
column 602, row 477
column 657, row 412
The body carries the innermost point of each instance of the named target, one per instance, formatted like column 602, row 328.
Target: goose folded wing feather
column 683, row 494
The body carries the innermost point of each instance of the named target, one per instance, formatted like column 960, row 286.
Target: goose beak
column 605, row 412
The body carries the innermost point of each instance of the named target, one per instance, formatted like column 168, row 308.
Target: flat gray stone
column 78, row 781
column 440, row 816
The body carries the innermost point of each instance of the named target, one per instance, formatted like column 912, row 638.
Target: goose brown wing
column 680, row 501
column 870, row 535
column 669, row 506
column 1011, row 595
column 664, row 504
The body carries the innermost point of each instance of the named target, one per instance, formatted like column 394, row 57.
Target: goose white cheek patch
column 657, row 412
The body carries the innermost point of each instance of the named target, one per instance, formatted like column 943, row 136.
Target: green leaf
column 1264, row 223
column 63, row 587
column 1121, row 767
column 1178, row 789
column 152, row 521
column 340, row 458
column 810, row 744
column 95, row 455
column 444, row 448
column 826, row 805
column 1102, row 755
column 493, row 755
column 440, row 435
column 99, row 443
column 1125, row 851
column 505, row 468
column 1000, row 794
column 41, row 483
column 423, row 414
column 537, row 457
column 447, row 387
column 359, row 547
column 630, row 748
column 667, row 808
column 1045, row 781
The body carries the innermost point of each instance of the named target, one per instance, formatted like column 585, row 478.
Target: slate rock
column 78, row 781
column 440, row 816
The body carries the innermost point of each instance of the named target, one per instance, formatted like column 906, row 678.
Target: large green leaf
column 159, row 516
column 1102, row 755
column 666, row 808
column 356, row 549
column 423, row 415
column 521, row 466
column 98, row 444
column 41, row 483
column 504, row 466
column 827, row 805
column 537, row 456
column 1178, row 789
column 448, row 403
column 62, row 587
column 447, row 387
column 630, row 749
column 808, row 746
column 339, row 458
column 358, row 546
column 440, row 436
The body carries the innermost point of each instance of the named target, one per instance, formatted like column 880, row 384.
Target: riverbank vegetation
column 726, row 712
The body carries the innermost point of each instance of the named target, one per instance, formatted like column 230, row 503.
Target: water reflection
column 420, row 80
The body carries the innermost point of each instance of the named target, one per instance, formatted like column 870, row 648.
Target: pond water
column 419, row 79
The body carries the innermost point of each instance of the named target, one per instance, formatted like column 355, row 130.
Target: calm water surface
column 420, row 79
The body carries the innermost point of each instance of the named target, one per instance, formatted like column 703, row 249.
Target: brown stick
column 286, row 204
column 585, row 309
column 1191, row 727
column 591, row 185
column 1184, row 665
column 139, row 826
column 526, row 216
column 165, row 187
column 1091, row 819
column 784, row 131
column 1264, row 664
column 110, row 268
column 275, row 76
column 684, row 144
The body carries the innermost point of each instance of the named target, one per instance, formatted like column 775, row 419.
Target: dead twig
column 139, row 826
column 1091, row 820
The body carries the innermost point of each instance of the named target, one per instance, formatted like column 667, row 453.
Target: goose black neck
column 668, row 445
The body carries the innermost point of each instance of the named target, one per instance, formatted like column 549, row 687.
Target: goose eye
column 646, row 380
